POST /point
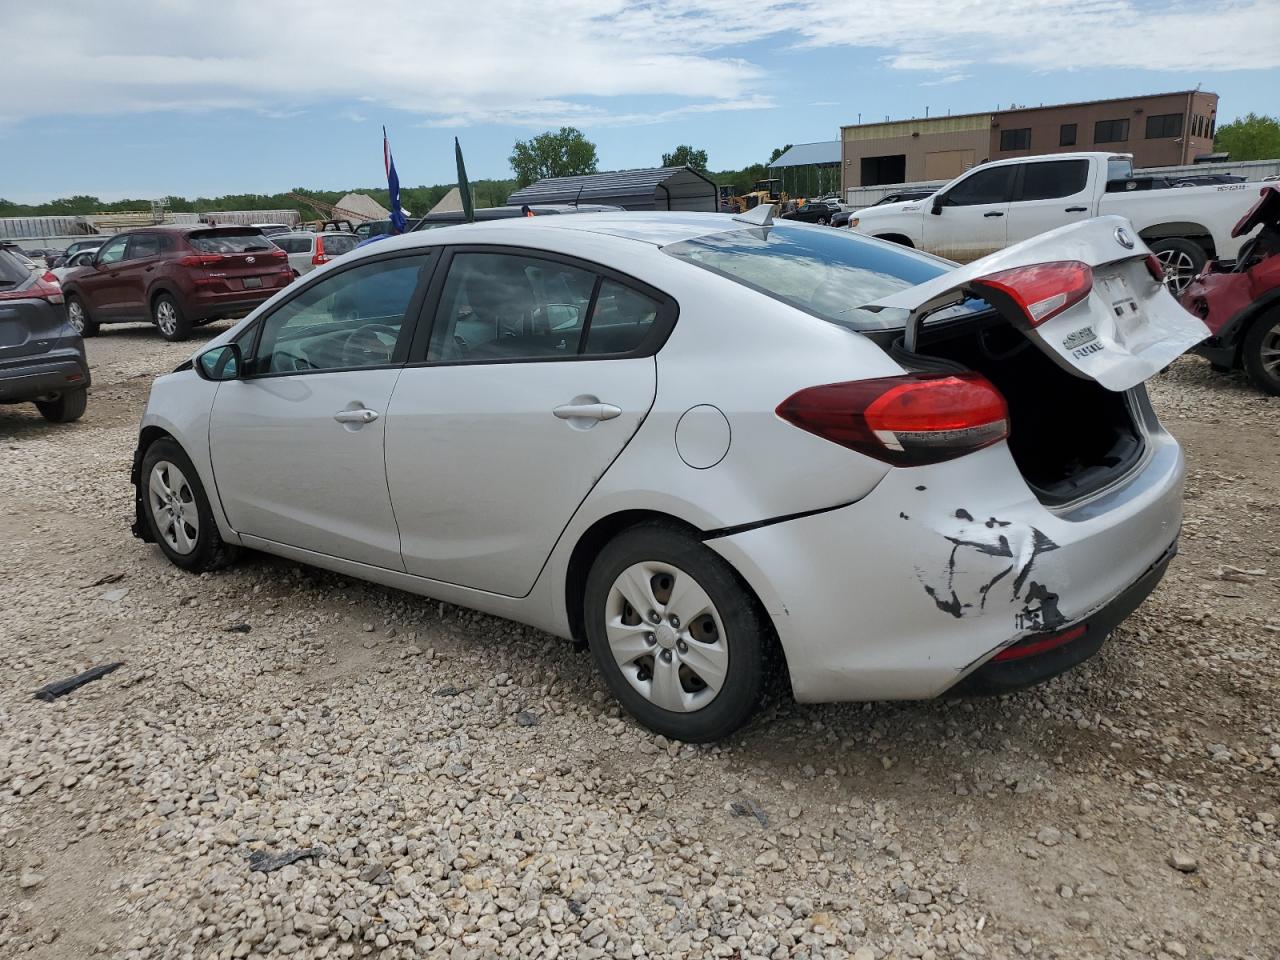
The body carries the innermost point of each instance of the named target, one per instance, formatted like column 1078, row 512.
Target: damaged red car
column 1240, row 302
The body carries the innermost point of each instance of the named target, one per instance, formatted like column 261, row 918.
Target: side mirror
column 938, row 202
column 220, row 363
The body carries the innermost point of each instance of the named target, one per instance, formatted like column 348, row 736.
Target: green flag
column 464, row 186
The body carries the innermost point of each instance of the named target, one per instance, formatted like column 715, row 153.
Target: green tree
column 685, row 156
column 562, row 153
column 779, row 151
column 1251, row 137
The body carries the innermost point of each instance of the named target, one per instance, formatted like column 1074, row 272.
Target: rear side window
column 827, row 273
column 336, row 244
column 229, row 241
column 985, row 186
column 294, row 244
column 144, row 245
column 1054, row 178
column 620, row 320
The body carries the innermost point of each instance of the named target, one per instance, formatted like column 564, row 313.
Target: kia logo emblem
column 255, row 259
column 1123, row 238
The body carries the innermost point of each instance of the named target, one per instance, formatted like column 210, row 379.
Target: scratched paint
column 989, row 567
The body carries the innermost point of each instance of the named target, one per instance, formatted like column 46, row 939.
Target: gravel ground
column 458, row 786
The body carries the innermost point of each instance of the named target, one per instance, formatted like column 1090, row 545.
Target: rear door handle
column 1077, row 209
column 361, row 415
column 587, row 411
column 993, row 213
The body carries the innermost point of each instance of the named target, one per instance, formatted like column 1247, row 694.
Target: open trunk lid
column 1083, row 294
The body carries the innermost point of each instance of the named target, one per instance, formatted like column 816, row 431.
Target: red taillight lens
column 46, row 287
column 1040, row 643
column 278, row 255
column 200, row 259
column 318, row 258
column 1155, row 268
column 1040, row 291
column 907, row 421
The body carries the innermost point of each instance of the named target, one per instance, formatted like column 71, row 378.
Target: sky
column 183, row 98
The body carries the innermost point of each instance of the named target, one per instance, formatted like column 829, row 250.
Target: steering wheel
column 364, row 344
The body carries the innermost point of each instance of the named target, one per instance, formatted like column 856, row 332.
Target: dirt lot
column 464, row 787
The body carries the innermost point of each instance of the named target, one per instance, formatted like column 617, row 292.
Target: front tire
column 177, row 510
column 170, row 319
column 1182, row 261
column 66, row 408
column 1260, row 353
column 78, row 317
column 680, row 640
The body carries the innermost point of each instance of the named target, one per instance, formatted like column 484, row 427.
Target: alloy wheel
column 666, row 636
column 1269, row 353
column 1179, row 269
column 75, row 316
column 166, row 317
column 173, row 505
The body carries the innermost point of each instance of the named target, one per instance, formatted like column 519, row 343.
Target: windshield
column 827, row 273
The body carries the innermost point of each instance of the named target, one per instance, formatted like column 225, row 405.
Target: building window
column 1111, row 131
column 1015, row 139
column 1067, row 135
column 1168, row 125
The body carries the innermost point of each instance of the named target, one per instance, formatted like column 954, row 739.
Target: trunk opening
column 1069, row 435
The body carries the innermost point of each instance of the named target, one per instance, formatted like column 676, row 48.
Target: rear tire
column 177, row 510
column 78, row 317
column 170, row 319
column 1260, row 353
column 1182, row 261
column 695, row 680
column 68, row 407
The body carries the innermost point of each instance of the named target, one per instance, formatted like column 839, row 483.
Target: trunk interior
column 1068, row 435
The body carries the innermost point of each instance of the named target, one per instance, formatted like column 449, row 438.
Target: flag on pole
column 398, row 222
column 464, row 185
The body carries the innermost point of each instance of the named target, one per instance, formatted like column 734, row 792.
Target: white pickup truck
column 1002, row 203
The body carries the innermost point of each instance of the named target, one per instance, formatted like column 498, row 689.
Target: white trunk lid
column 1127, row 329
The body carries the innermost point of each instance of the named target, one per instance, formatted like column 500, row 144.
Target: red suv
column 176, row 277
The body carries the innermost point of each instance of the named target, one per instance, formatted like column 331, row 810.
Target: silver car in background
column 712, row 446
column 309, row 250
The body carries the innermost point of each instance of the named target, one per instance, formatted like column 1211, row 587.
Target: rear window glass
column 12, row 270
column 230, row 241
column 826, row 273
column 294, row 244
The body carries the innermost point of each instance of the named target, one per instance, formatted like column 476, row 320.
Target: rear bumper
column 908, row 591
column 49, row 373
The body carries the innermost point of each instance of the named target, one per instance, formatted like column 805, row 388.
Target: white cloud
column 572, row 61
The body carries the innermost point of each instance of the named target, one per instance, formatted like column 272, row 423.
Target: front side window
column 1015, row 139
column 113, row 250
column 1166, row 125
column 985, row 186
column 829, row 274
column 1054, row 178
column 498, row 306
column 1067, row 135
column 347, row 320
column 1111, row 131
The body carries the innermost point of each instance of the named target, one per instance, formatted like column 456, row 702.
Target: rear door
column 970, row 222
column 237, row 258
column 538, row 372
column 1048, row 194
column 136, row 271
column 1084, row 294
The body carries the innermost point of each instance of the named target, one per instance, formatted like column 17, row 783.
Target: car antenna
column 581, row 186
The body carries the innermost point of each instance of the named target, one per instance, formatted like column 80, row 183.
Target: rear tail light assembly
column 1039, row 643
column 318, row 258
column 1155, row 268
column 1039, row 292
column 46, row 288
column 907, row 421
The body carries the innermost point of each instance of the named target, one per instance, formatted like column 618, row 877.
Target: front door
column 538, row 373
column 102, row 285
column 297, row 443
column 970, row 220
column 135, row 274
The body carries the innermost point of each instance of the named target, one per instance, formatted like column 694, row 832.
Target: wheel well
column 1183, row 230
column 895, row 238
column 156, row 291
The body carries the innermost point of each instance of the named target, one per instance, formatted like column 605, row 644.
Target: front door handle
column 1077, row 209
column 587, row 411
column 993, row 213
column 360, row 415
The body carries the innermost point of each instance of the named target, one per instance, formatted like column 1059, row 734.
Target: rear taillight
column 278, row 255
column 1155, row 268
column 1040, row 291
column 200, row 259
column 907, row 421
column 1039, row 643
column 46, row 287
column 318, row 258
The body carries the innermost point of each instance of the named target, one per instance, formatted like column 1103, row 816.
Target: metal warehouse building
column 656, row 188
column 1166, row 129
